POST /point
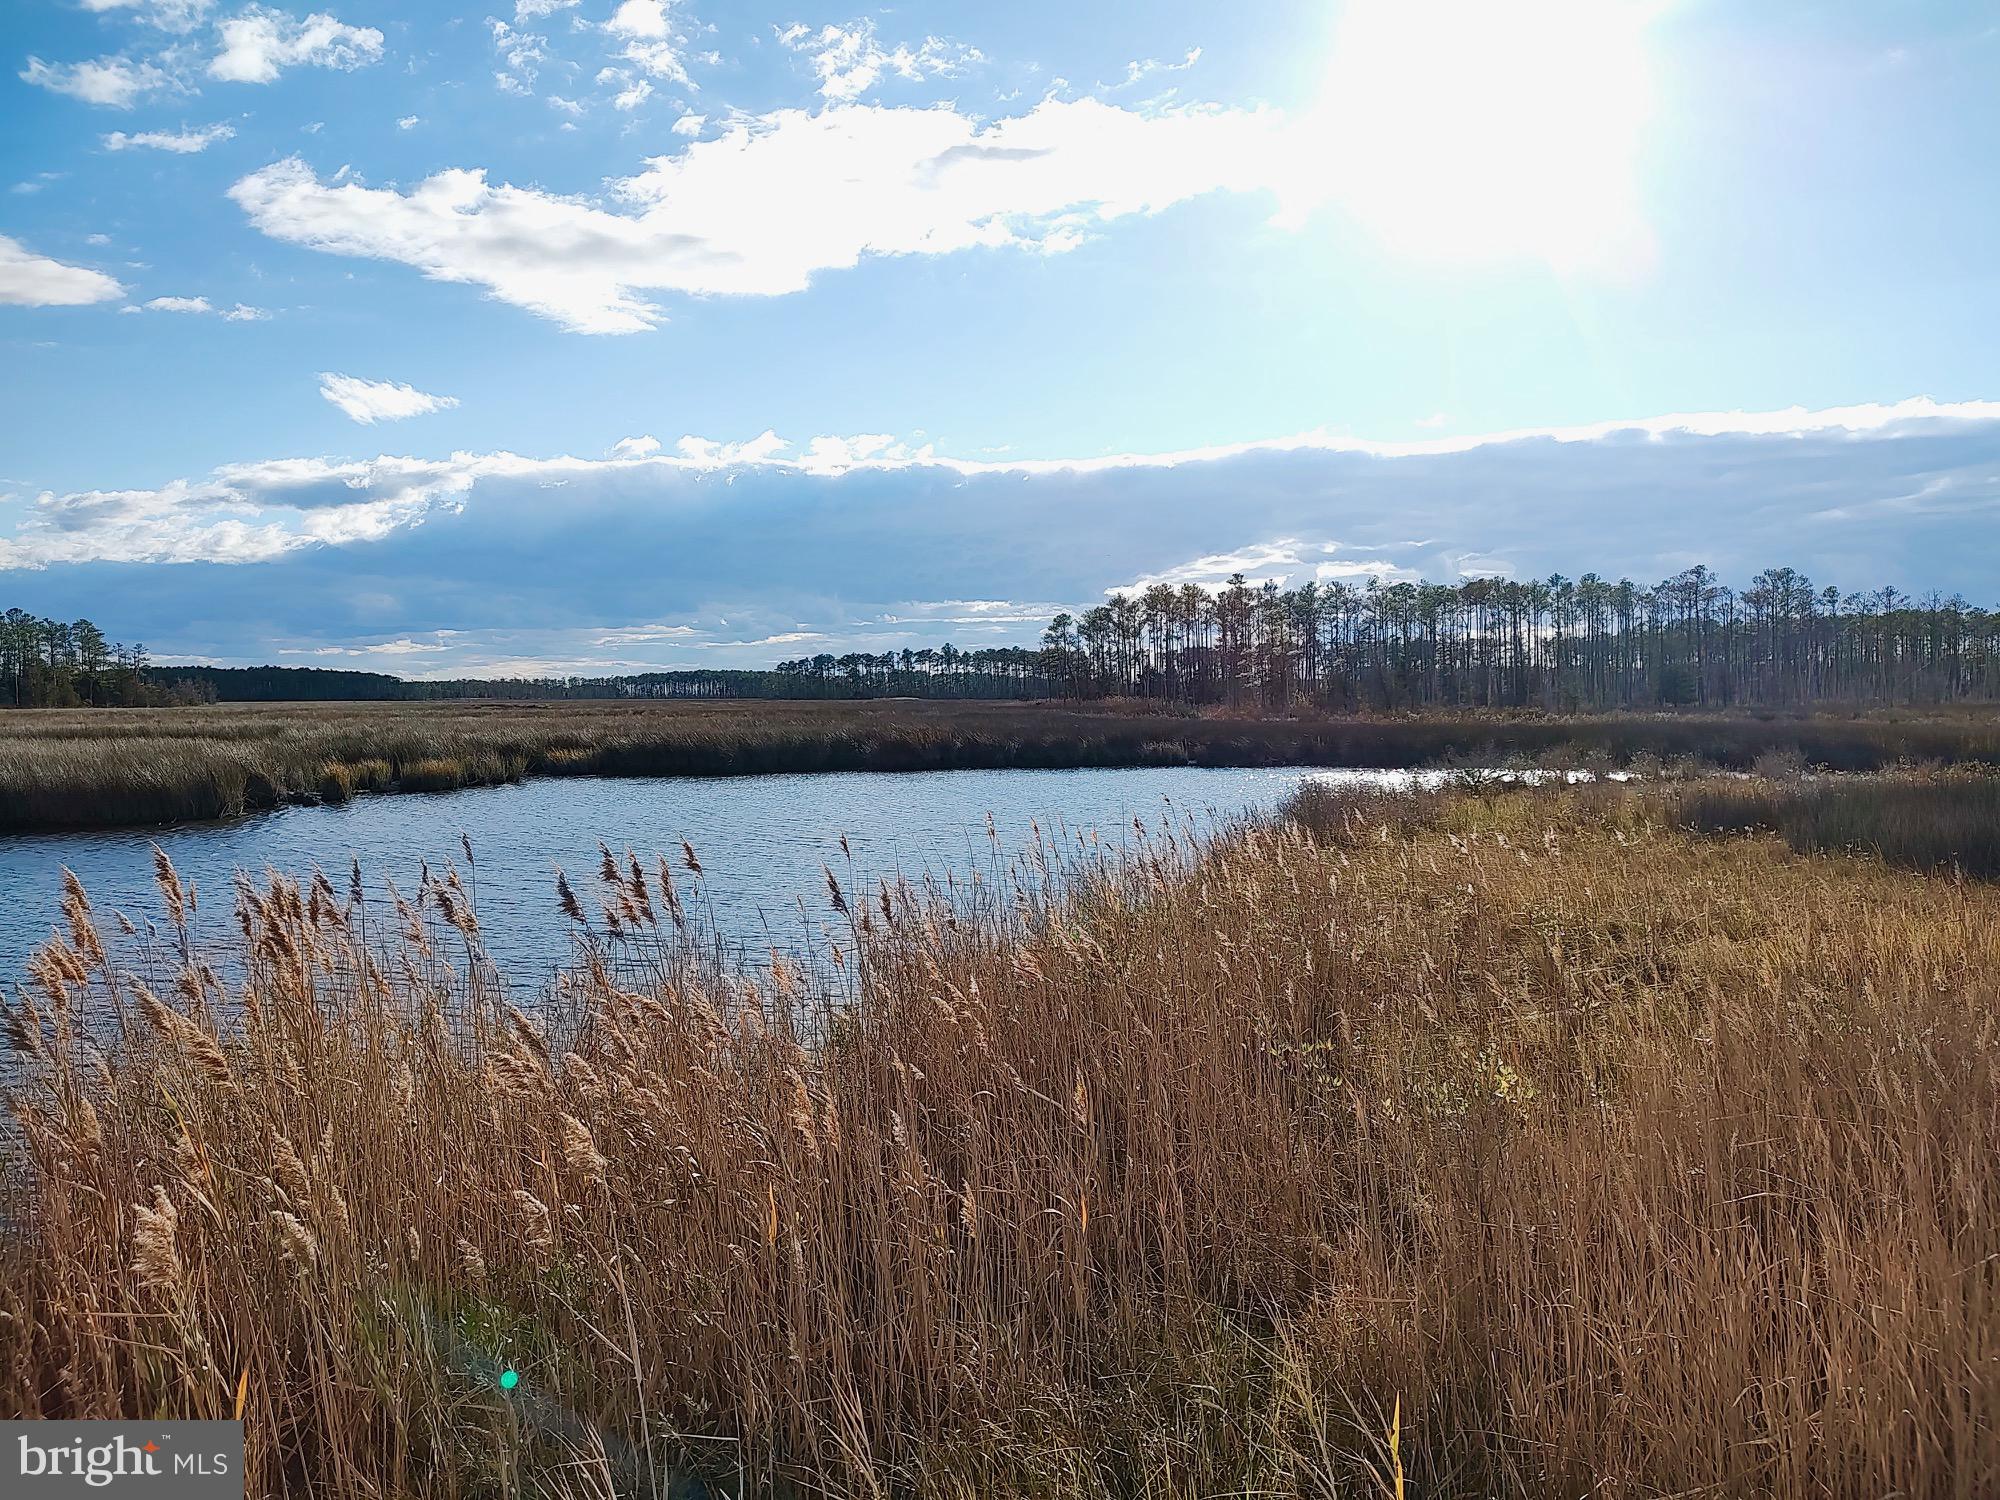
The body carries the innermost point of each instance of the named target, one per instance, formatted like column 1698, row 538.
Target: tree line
column 1006, row 673
column 56, row 664
column 1555, row 643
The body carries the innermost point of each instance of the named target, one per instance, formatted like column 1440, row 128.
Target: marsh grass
column 93, row 768
column 1928, row 820
column 1511, row 1145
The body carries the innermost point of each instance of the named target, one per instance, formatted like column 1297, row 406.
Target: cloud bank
column 737, row 553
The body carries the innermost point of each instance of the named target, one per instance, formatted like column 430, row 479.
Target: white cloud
column 689, row 125
column 650, row 42
column 260, row 43
column 836, row 455
column 240, row 313
column 113, row 82
column 402, row 646
column 1286, row 561
column 533, row 10
column 371, row 401
column 167, row 15
column 639, row 18
column 524, row 53
column 705, row 453
column 634, row 96
column 409, row 122
column 195, row 522
column 184, row 141
column 31, row 280
column 1145, row 68
column 849, row 61
column 761, row 207
column 635, row 447
column 661, row 59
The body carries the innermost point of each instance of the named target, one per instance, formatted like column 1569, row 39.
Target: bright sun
column 1483, row 130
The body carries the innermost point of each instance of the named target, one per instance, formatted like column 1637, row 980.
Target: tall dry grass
column 1500, row 1145
column 88, row 768
column 1938, row 819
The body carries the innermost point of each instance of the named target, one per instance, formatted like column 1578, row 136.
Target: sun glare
column 1471, row 130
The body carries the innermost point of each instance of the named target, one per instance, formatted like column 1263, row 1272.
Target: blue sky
column 618, row 333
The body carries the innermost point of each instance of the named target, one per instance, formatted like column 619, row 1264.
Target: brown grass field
column 63, row 768
column 1486, row 1143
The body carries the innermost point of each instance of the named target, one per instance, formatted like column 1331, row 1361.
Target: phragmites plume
column 566, row 899
column 802, row 1112
column 782, row 977
column 833, row 892
column 24, row 1031
column 156, row 1259
column 581, row 1152
column 671, row 895
column 74, row 897
column 607, row 868
column 537, row 1227
column 54, row 968
column 168, row 879
column 85, row 1128
column 636, row 884
column 295, row 1240
column 322, row 908
column 289, row 1171
column 583, row 1074
column 76, row 911
column 688, row 857
column 171, row 1026
column 456, row 909
column 526, row 1033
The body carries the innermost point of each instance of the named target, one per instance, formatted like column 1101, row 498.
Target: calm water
column 761, row 840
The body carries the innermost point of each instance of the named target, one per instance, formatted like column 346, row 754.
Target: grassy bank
column 1938, row 820
column 1580, row 1151
column 67, row 769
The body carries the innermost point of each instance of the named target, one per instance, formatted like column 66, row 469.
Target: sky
column 615, row 335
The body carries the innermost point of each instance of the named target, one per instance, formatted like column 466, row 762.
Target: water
column 761, row 840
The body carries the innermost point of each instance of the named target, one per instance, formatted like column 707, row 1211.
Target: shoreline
column 74, row 771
